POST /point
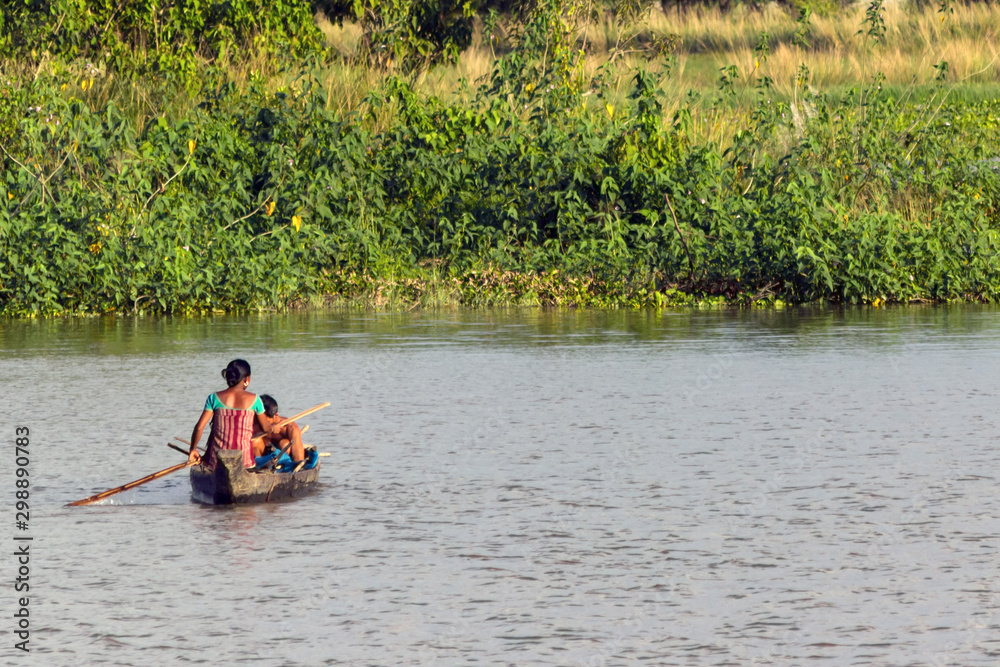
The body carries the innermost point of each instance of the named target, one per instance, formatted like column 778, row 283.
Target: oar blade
column 130, row 485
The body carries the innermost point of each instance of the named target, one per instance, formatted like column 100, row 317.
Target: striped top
column 231, row 429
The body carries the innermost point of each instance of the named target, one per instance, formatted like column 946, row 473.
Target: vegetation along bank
column 430, row 152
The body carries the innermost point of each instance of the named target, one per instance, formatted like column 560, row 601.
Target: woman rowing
column 233, row 412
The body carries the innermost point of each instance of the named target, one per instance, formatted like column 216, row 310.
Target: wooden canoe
column 230, row 483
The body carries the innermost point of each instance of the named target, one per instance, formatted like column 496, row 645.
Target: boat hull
column 230, row 484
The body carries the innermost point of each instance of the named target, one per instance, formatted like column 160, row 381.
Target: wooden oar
column 291, row 419
column 173, row 446
column 131, row 485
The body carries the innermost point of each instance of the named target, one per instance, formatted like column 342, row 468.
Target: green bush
column 537, row 187
column 167, row 36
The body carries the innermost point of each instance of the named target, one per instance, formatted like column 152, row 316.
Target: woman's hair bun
column 236, row 372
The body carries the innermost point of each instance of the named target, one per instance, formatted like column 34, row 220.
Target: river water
column 533, row 487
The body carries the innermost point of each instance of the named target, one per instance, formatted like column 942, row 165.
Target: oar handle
column 287, row 447
column 289, row 420
column 303, row 414
column 284, row 450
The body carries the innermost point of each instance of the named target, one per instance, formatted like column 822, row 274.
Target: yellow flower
column 62, row 87
column 95, row 247
column 191, row 145
column 296, row 222
column 86, row 83
column 610, row 108
column 269, row 208
column 10, row 195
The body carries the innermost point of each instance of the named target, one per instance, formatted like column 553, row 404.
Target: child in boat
column 287, row 436
column 234, row 413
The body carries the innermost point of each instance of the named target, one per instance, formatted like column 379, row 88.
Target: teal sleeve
column 257, row 406
column 211, row 402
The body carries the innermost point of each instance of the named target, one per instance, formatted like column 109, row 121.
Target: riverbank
column 496, row 288
column 541, row 185
column 260, row 202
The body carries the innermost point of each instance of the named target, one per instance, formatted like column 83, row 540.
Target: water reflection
column 805, row 327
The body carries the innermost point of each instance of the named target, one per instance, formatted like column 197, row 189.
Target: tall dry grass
column 915, row 40
column 839, row 56
column 705, row 41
